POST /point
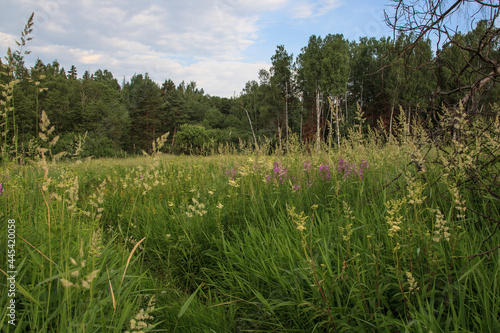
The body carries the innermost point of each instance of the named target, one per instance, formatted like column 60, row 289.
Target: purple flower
column 231, row 173
column 1, row 189
column 351, row 169
column 342, row 165
column 280, row 174
column 307, row 165
column 324, row 172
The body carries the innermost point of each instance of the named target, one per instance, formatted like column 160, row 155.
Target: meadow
column 362, row 237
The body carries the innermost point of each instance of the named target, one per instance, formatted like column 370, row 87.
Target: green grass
column 248, row 254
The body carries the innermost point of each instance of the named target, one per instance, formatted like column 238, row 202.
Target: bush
column 191, row 139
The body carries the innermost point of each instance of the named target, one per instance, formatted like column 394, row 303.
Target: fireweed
column 263, row 224
column 279, row 176
column 349, row 169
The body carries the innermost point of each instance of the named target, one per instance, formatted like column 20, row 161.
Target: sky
column 219, row 44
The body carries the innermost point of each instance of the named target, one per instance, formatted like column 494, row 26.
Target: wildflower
column 411, row 281
column 349, row 169
column 197, row 208
column 1, row 189
column 298, row 219
column 307, row 165
column 363, row 165
column 459, row 204
column 394, row 219
column 219, row 206
column 342, row 165
column 441, row 231
column 323, row 167
column 324, row 172
column 231, row 173
column 280, row 173
column 348, row 213
column 233, row 183
column 170, row 204
column 415, row 189
column 346, row 232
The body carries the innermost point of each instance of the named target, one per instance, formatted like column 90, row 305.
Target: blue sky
column 219, row 44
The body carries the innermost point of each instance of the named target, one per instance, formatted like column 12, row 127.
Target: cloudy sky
column 219, row 44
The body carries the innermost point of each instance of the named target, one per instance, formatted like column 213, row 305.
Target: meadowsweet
column 412, row 283
column 138, row 323
column 298, row 218
column 415, row 189
column 348, row 213
column 346, row 232
column 459, row 204
column 441, row 231
column 197, row 208
column 233, row 183
column 394, row 219
column 219, row 206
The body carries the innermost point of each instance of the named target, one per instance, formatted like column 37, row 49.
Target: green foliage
column 259, row 242
column 191, row 139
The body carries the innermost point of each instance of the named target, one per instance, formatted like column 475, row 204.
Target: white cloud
column 192, row 40
column 7, row 40
column 307, row 9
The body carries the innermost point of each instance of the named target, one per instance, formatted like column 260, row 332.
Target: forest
column 315, row 96
column 354, row 188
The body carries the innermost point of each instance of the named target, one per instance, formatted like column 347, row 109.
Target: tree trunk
column 409, row 119
column 337, row 108
column 345, row 123
column 317, row 118
column 286, row 114
column 301, row 116
column 251, row 127
column 390, row 122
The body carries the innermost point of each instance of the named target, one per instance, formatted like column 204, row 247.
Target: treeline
column 316, row 96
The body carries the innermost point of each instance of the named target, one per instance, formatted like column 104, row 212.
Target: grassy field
column 361, row 238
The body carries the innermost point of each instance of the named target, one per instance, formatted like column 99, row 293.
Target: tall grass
column 362, row 238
